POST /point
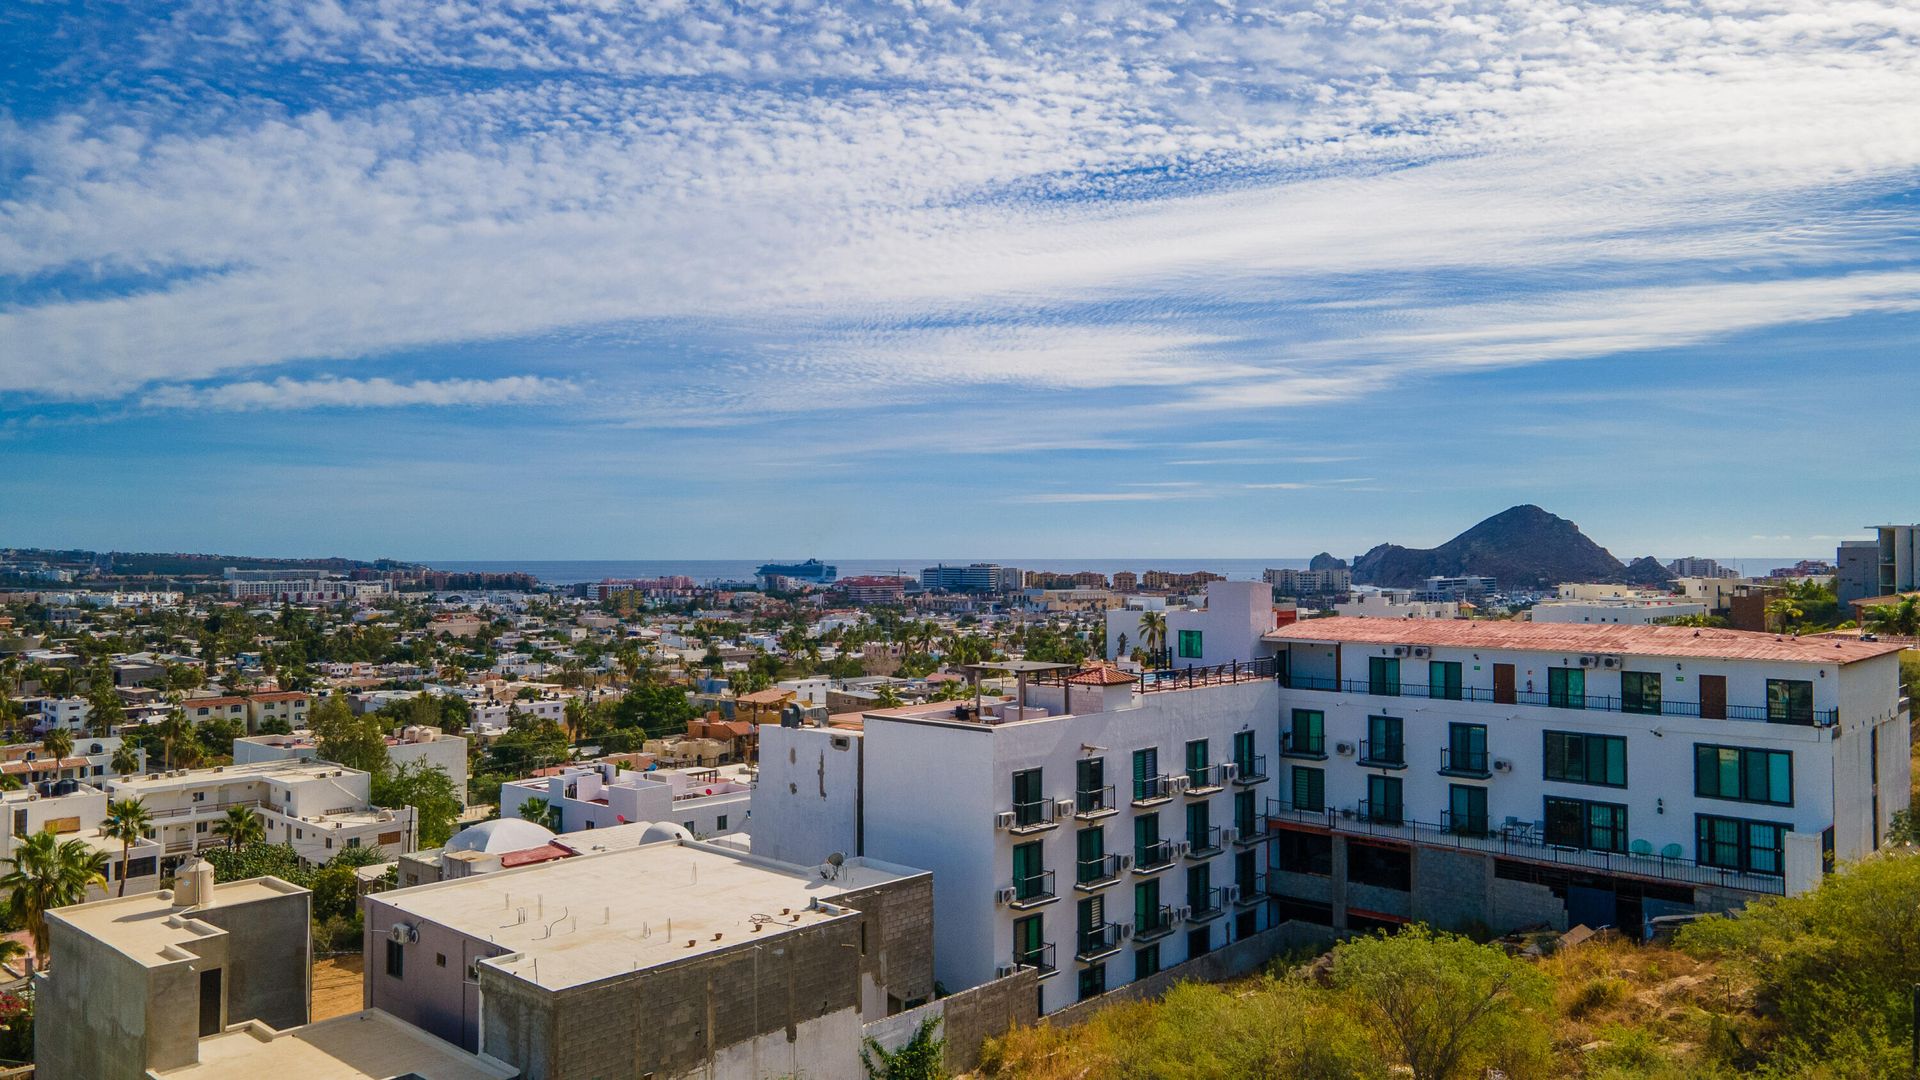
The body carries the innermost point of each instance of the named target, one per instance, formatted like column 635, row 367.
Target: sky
column 472, row 279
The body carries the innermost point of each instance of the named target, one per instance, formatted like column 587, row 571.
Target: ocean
column 574, row 571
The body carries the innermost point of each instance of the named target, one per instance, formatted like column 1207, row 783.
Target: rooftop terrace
column 1679, row 641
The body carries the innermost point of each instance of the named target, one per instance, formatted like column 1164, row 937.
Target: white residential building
column 407, row 745
column 1626, row 611
column 73, row 810
column 1226, row 630
column 318, row 807
column 599, row 795
column 1396, row 604
column 63, row 713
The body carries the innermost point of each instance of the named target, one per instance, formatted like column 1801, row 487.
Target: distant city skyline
column 448, row 279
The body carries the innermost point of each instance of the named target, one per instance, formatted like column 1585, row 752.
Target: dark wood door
column 1713, row 697
column 1503, row 684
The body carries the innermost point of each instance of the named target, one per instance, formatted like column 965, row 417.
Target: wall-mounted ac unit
column 1179, row 784
column 1399, row 650
column 1589, row 661
column 1126, row 930
column 1182, row 913
column 1001, row 971
column 1003, row 820
column 1502, row 765
column 1344, row 749
column 1063, row 809
column 1003, row 895
column 1609, row 661
column 1229, row 772
column 1126, row 862
column 1180, row 849
column 1230, row 893
column 1420, row 651
column 404, row 933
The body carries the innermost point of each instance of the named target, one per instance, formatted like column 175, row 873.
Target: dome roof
column 500, row 835
column 664, row 830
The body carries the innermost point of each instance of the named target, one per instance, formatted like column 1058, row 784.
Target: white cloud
column 333, row 393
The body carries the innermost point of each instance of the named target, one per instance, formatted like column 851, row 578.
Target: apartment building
column 599, row 795
column 318, row 807
column 75, row 810
column 199, row 710
column 1637, row 610
column 413, row 744
column 288, row 707
column 1289, row 582
column 1507, row 773
column 29, row 763
column 58, row 713
column 1899, row 558
column 1396, row 604
column 1096, row 827
column 1228, row 628
column 672, row 959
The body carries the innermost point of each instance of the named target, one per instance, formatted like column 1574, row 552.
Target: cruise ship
column 811, row 570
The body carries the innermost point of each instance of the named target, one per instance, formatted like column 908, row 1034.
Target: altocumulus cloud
column 334, row 393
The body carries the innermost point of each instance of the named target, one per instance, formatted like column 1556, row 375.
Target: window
column 1200, row 835
column 1383, row 675
column 719, row 825
column 1199, row 941
column 1751, row 847
column 1789, row 701
column 1443, row 680
column 1467, row 748
column 1381, row 867
column 1197, row 763
column 1586, row 759
column 396, row 960
column 1146, row 775
column 1386, row 741
column 1743, row 774
column 1199, row 885
column 1308, row 736
column 1304, row 853
column 1640, row 692
column 1093, row 981
column 1383, row 799
column 1029, row 941
column 1189, row 643
column 1243, row 754
column 1309, row 789
column 1578, row 823
column 1029, row 872
column 1146, row 961
column 1146, row 841
column 1089, row 782
column 1467, row 809
column 440, row 958
column 1146, row 906
column 1090, row 852
column 1567, row 687
column 1245, row 811
column 1029, row 806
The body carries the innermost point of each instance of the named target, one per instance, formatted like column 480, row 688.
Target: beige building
column 318, row 807
column 289, row 707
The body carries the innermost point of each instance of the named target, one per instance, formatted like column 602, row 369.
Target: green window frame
column 1199, row 883
column 1029, row 939
column 1640, row 692
column 1146, row 905
column 1309, row 789
column 1146, row 833
column 1199, row 824
column 1029, row 870
column 1466, row 748
column 1092, row 981
column 1743, row 774
column 1190, row 645
column 1196, row 761
column 1029, row 804
column 1789, row 701
column 1443, row 680
column 1245, row 809
column 1584, row 823
column 1567, row 687
column 1387, row 739
column 1308, row 734
column 1749, row 847
column 1146, row 766
column 1146, row 961
column 1576, row 758
column 1383, row 676
column 1245, row 749
column 1384, row 802
column 1467, row 809
column 1090, row 854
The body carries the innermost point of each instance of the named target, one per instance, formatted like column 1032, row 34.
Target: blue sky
column 459, row 279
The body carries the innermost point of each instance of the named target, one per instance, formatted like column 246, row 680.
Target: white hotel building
column 1355, row 773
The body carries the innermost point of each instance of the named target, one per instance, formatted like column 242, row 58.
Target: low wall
column 1242, row 957
column 968, row 1018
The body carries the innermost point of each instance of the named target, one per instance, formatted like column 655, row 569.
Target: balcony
column 1306, row 749
column 1465, row 824
column 1090, row 803
column 1153, row 923
column 209, row 808
column 1251, row 830
column 1040, row 958
column 1469, row 765
column 1205, row 780
column 1033, row 890
column 1148, row 858
column 1589, row 703
column 1288, row 810
column 1152, row 790
column 1251, row 770
column 1204, row 843
column 1098, row 942
column 1380, row 813
column 1208, row 905
column 1523, row 841
column 1092, row 874
column 1033, row 817
column 1383, row 753
column 1250, row 891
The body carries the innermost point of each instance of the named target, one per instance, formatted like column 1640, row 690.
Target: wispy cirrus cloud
column 286, row 394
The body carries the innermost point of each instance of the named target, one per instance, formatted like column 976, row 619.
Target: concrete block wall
column 1232, row 961
column 968, row 1018
column 898, row 953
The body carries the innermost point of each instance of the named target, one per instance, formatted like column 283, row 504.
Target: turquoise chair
column 1641, row 847
column 1671, row 851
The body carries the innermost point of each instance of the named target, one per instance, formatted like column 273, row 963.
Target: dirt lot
column 336, row 986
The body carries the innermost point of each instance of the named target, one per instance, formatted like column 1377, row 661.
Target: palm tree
column 542, row 813
column 173, row 731
column 240, row 827
column 11, row 950
column 1153, row 633
column 58, row 745
column 127, row 821
column 125, row 760
column 49, row 873
column 576, row 715
column 886, row 697
column 1782, row 612
column 1901, row 619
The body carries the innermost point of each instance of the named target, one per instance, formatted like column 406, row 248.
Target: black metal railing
column 1088, row 802
column 1153, row 922
column 1098, row 941
column 1383, row 813
column 1152, row 789
column 1251, row 889
column 1384, row 753
column 1595, row 703
column 1250, row 770
column 1468, row 763
column 1101, row 870
column 1034, row 814
column 1315, row 749
column 1039, row 958
column 1285, row 809
column 1203, row 842
column 1033, row 889
column 1155, row 856
column 1205, row 778
column 1207, row 905
column 1465, row 824
column 1250, row 828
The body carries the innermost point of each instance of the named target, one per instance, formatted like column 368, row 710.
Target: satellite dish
column 836, row 859
column 830, row 869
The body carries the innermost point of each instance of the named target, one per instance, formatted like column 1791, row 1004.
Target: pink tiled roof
column 1698, row 642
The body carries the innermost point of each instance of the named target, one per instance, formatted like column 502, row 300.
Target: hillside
column 1522, row 547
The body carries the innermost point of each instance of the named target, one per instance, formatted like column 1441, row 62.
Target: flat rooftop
column 286, row 771
column 1685, row 641
column 149, row 928
column 579, row 920
column 366, row 1045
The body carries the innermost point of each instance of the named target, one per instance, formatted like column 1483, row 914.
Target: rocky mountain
column 1326, row 561
column 1522, row 548
column 1647, row 570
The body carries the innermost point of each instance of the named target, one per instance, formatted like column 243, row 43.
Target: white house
column 407, row 745
column 318, row 807
column 599, row 795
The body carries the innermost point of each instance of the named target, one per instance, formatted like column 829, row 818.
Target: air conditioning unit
column 1001, row 971
column 1589, row 661
column 1126, row 862
column 1229, row 772
column 1344, row 749
column 1178, row 784
column 404, row 933
column 1230, row 893
column 1399, row 650
column 1180, row 849
column 1182, row 913
column 1063, row 808
column 1227, row 836
column 1003, row 895
column 1126, row 930
column 1609, row 661
column 1421, row 652
column 1502, row 765
column 1003, row 820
